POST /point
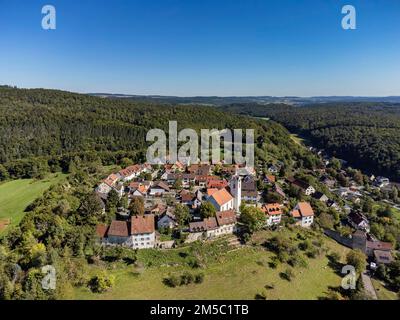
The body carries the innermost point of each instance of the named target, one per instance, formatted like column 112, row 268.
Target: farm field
column 16, row 195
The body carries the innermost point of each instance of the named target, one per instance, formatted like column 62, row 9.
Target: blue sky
column 203, row 47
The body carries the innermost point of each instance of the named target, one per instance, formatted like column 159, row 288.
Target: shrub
column 199, row 278
column 101, row 282
column 172, row 281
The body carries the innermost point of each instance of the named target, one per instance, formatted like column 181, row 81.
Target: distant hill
column 220, row 101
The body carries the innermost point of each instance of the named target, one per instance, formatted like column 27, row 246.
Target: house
column 383, row 257
column 372, row 246
column 159, row 188
column 139, row 189
column 201, row 181
column 250, row 196
column 226, row 221
column 222, row 200
column 158, row 209
column 130, row 173
column 358, row 221
column 193, row 200
column 330, row 183
column 303, row 214
column 381, row 182
column 249, row 189
column 213, row 182
column 273, row 212
column 207, row 228
column 223, row 223
column 167, row 220
column 304, row 186
column 332, row 204
column 111, row 182
column 320, row 197
column 101, row 231
column 118, row 233
column 271, row 179
column 143, row 232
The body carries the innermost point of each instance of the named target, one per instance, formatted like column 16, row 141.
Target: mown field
column 16, row 195
column 239, row 274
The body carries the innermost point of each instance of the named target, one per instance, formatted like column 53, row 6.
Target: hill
column 365, row 134
column 44, row 130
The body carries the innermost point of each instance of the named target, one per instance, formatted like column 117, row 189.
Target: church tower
column 235, row 185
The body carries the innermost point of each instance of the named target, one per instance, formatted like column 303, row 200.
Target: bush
column 172, row 281
column 186, row 278
column 199, row 278
column 288, row 274
column 101, row 283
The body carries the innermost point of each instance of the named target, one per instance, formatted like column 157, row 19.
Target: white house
column 159, row 188
column 111, row 182
column 273, row 212
column 226, row 221
column 303, row 214
column 143, row 234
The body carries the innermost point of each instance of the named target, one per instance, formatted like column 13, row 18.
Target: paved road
column 369, row 288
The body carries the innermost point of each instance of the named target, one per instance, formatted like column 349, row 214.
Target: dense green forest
column 44, row 130
column 365, row 134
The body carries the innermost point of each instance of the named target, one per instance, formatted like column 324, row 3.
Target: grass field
column 239, row 274
column 382, row 292
column 16, row 195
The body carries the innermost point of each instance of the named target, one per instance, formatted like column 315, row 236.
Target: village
column 182, row 203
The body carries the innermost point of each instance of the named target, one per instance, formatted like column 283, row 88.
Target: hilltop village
column 163, row 206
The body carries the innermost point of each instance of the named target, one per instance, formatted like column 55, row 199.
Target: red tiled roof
column 118, row 229
column 101, row 230
column 142, row 224
column 211, row 223
column 379, row 245
column 305, row 209
column 226, row 217
column 272, row 209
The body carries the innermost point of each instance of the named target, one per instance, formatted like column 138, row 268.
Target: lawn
column 238, row 274
column 16, row 195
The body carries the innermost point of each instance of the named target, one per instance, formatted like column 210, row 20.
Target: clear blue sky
column 203, row 47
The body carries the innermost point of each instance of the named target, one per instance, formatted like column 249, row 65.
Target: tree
column 378, row 230
column 178, row 184
column 357, row 259
column 91, row 209
column 3, row 173
column 253, row 218
column 336, row 164
column 123, row 202
column 137, row 206
column 207, row 210
column 112, row 200
column 182, row 214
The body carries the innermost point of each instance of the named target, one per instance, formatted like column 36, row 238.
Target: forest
column 365, row 134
